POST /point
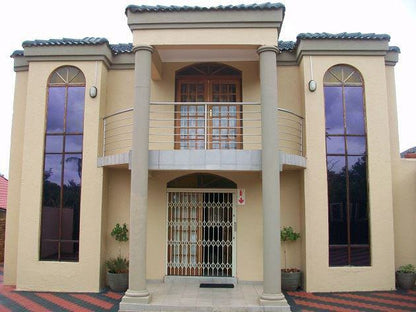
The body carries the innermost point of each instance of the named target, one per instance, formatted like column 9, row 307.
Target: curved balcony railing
column 202, row 125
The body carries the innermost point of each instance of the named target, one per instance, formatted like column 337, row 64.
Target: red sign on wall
column 241, row 196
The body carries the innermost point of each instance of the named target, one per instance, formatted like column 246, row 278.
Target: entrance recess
column 200, row 233
column 201, row 226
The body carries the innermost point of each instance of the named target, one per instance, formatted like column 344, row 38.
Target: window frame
column 67, row 84
column 344, row 84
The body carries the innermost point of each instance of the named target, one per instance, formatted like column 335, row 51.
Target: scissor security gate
column 200, row 233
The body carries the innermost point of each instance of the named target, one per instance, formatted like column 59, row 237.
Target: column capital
column 267, row 48
column 143, row 47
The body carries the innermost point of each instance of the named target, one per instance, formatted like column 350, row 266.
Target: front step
column 200, row 279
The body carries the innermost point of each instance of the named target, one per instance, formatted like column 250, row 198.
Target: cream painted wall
column 319, row 276
column 33, row 274
column 404, row 185
column 206, row 37
column 249, row 218
column 289, row 89
column 404, row 199
column 117, row 208
column 15, row 174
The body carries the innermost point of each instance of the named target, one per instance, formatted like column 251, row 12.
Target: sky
column 52, row 19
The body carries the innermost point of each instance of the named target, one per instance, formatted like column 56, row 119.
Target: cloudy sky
column 47, row 19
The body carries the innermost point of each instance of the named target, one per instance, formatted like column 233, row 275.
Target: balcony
column 203, row 135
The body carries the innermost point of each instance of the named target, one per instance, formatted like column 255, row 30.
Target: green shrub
column 120, row 233
column 408, row 268
column 117, row 265
column 287, row 234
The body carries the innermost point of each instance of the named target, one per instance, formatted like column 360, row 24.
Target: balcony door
column 202, row 124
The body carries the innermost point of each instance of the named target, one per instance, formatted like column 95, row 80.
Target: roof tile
column 344, row 35
column 286, row 45
column 65, row 41
column 121, row 48
column 174, row 8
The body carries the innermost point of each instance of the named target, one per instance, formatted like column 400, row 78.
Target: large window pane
column 49, row 250
column 354, row 110
column 334, row 110
column 56, row 110
column 335, row 145
column 356, row 145
column 54, row 144
column 72, row 169
column 75, row 110
column 73, row 144
column 53, row 169
column 69, row 251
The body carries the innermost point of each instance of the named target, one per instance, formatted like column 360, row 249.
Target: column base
column 133, row 300
column 274, row 300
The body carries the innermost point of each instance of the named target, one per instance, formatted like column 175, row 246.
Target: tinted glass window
column 63, row 166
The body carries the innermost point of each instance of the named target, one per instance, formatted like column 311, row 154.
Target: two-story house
column 206, row 135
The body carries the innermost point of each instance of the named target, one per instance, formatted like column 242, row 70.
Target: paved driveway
column 389, row 301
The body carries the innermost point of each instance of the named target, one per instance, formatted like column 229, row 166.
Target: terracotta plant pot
column 118, row 282
column 405, row 280
column 291, row 280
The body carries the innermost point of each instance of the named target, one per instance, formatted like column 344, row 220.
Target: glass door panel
column 225, row 120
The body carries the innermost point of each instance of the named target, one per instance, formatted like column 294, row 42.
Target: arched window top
column 202, row 180
column 343, row 75
column 67, row 75
column 208, row 69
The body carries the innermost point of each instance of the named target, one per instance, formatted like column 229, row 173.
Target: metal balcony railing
column 202, row 125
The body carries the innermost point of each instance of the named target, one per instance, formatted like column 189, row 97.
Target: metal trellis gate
column 201, row 233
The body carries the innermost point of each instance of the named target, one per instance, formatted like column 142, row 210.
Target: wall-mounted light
column 93, row 92
column 312, row 85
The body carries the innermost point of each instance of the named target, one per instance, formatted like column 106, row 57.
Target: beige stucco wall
column 206, row 37
column 404, row 185
column 33, row 274
column 380, row 275
column 15, row 174
column 249, row 262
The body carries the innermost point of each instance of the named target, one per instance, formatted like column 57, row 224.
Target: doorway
column 200, row 233
column 212, row 126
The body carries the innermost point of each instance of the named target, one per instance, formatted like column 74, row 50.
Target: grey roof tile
column 121, row 48
column 286, row 45
column 17, row 53
column 394, row 49
column 174, row 8
column 65, row 41
column 344, row 35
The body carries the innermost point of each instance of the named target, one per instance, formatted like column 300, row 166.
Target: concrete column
column 137, row 292
column 272, row 293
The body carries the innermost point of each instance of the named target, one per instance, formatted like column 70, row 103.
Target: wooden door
column 208, row 127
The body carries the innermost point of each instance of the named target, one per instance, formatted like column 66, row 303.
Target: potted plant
column 290, row 276
column 406, row 276
column 118, row 268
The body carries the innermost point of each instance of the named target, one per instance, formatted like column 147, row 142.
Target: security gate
column 200, row 233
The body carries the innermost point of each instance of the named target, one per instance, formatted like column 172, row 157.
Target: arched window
column 346, row 156
column 62, row 165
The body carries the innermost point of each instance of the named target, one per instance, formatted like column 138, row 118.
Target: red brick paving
column 380, row 300
column 99, row 303
column 62, row 302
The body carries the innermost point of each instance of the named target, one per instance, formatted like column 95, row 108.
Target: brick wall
column 2, row 234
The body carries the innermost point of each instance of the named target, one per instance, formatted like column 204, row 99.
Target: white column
column 272, row 293
column 137, row 292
